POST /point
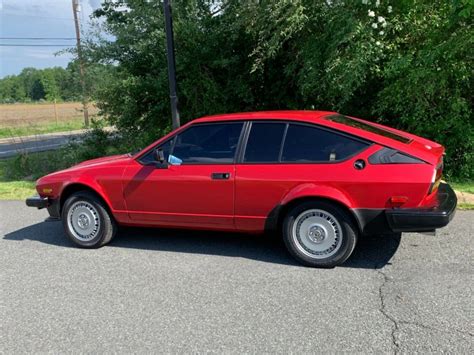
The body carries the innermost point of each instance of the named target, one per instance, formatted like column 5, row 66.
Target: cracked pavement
column 182, row 291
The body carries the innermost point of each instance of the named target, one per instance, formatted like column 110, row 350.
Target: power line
column 39, row 38
column 38, row 16
column 36, row 45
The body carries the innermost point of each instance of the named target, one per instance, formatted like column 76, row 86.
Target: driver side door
column 195, row 187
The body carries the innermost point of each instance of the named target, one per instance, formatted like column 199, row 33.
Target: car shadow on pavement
column 370, row 252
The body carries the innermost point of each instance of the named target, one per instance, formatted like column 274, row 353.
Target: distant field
column 29, row 119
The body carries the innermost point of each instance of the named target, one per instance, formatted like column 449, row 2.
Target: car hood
column 103, row 160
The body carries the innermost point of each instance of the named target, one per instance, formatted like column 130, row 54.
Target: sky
column 37, row 18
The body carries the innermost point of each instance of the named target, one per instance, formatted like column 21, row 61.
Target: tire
column 86, row 221
column 329, row 236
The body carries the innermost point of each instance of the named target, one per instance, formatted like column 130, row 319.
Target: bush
column 407, row 64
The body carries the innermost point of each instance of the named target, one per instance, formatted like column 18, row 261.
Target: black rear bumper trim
column 420, row 220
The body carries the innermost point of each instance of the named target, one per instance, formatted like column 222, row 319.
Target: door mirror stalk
column 159, row 155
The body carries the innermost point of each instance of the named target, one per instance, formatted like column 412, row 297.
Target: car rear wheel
column 86, row 220
column 319, row 234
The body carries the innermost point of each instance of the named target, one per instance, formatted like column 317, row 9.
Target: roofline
column 288, row 114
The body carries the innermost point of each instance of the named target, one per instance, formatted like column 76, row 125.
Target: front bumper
column 424, row 219
column 44, row 202
column 37, row 201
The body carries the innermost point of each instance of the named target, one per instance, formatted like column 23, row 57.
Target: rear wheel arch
column 276, row 222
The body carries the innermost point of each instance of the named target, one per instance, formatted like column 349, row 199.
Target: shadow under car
column 370, row 252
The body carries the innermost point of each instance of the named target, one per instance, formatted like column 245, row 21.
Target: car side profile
column 321, row 179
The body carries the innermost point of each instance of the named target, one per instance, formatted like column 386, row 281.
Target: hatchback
column 320, row 179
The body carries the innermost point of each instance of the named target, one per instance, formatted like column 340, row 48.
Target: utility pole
column 171, row 63
column 75, row 10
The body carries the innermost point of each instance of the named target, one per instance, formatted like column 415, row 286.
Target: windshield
column 367, row 127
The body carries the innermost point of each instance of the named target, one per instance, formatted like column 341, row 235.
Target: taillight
column 437, row 175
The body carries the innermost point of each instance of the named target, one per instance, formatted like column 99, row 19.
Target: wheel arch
column 277, row 215
column 74, row 187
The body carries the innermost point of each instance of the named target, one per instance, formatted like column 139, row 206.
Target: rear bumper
column 424, row 219
column 43, row 202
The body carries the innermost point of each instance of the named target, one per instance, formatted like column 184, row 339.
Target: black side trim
column 54, row 209
column 372, row 221
column 271, row 223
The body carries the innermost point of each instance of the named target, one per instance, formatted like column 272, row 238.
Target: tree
column 50, row 85
column 407, row 63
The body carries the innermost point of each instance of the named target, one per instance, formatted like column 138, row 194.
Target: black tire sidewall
column 105, row 226
column 349, row 234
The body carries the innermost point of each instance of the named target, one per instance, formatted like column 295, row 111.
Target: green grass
column 466, row 186
column 18, row 174
column 13, row 189
column 51, row 127
column 16, row 190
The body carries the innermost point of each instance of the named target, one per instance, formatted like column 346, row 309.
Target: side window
column 166, row 147
column 310, row 144
column 207, row 143
column 264, row 142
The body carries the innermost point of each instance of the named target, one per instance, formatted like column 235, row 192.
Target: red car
column 320, row 178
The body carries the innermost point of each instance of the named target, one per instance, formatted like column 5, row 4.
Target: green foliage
column 428, row 89
column 406, row 63
column 51, row 83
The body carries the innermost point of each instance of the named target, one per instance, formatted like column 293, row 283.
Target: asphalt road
column 165, row 291
column 10, row 147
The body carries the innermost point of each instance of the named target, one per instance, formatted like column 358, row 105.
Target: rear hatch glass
column 367, row 127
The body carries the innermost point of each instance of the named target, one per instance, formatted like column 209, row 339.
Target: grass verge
column 465, row 186
column 16, row 190
column 7, row 132
column 18, row 174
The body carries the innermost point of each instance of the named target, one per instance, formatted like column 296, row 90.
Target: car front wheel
column 319, row 234
column 86, row 220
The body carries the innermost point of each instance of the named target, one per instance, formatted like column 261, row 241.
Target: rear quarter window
column 305, row 143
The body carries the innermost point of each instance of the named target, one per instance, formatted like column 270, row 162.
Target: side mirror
column 159, row 155
column 158, row 161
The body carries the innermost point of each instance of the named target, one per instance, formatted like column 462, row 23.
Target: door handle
column 220, row 176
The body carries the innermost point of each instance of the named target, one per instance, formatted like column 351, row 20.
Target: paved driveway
column 164, row 291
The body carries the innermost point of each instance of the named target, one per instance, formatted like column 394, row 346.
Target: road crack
column 383, row 310
column 427, row 327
